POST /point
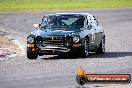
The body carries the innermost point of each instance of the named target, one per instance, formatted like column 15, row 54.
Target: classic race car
column 62, row 33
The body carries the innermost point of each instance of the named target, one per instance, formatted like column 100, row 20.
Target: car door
column 97, row 31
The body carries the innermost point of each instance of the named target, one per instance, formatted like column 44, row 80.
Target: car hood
column 44, row 33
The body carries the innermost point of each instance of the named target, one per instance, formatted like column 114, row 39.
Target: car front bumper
column 54, row 49
column 49, row 50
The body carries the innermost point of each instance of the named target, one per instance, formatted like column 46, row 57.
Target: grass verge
column 30, row 5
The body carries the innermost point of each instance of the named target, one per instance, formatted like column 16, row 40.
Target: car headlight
column 30, row 39
column 76, row 39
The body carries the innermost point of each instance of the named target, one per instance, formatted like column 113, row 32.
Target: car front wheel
column 85, row 49
column 31, row 55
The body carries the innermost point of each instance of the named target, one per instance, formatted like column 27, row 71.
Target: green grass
column 29, row 5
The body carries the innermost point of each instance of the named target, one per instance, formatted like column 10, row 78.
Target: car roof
column 79, row 14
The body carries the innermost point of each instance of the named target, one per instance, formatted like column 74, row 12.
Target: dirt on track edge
column 9, row 48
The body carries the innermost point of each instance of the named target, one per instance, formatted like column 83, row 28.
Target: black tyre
column 64, row 55
column 32, row 55
column 101, row 49
column 85, row 48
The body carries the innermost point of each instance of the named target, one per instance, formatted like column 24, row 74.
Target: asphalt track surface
column 54, row 72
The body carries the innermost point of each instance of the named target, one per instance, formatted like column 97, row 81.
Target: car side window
column 89, row 22
column 94, row 20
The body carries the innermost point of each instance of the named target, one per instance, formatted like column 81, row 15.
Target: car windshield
column 63, row 21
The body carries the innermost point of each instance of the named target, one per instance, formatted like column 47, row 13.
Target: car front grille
column 53, row 41
column 58, row 41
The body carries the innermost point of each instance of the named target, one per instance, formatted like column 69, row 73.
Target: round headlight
column 76, row 39
column 30, row 39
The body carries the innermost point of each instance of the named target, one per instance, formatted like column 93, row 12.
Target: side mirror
column 36, row 25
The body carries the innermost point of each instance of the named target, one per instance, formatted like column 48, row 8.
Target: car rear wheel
column 101, row 49
column 85, row 48
column 32, row 55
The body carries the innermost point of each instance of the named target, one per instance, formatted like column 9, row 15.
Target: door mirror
column 36, row 25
